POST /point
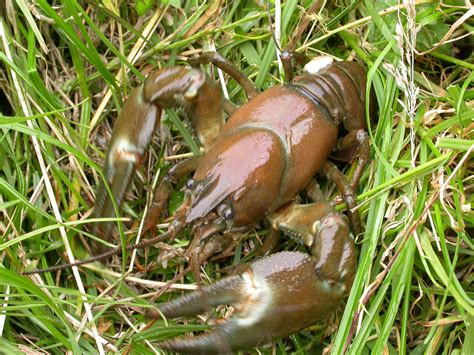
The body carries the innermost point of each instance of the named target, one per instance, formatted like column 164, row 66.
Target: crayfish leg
column 277, row 296
column 320, row 227
column 226, row 66
column 347, row 193
column 131, row 136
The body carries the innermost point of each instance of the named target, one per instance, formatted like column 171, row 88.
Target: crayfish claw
column 202, row 300
column 225, row 291
column 277, row 296
column 213, row 343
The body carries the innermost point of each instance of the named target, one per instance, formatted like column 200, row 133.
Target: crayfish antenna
column 101, row 256
column 174, row 228
column 106, row 254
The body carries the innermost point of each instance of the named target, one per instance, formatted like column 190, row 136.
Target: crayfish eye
column 190, row 184
column 225, row 211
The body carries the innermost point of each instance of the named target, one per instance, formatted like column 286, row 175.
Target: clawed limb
column 227, row 67
column 278, row 294
column 131, row 135
column 184, row 87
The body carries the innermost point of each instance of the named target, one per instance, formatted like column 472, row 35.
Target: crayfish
column 253, row 168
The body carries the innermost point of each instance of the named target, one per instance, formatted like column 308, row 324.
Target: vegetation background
column 65, row 67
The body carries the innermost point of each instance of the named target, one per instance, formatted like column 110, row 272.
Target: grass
column 66, row 67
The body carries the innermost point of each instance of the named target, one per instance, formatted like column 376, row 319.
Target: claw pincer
column 279, row 295
column 253, row 168
column 183, row 87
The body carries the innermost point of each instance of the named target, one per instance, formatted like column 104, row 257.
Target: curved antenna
column 170, row 233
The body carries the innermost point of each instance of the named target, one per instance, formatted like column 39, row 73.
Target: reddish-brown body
column 253, row 168
column 280, row 134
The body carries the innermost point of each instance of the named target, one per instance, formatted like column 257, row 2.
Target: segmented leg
column 229, row 107
column 347, row 192
column 227, row 67
column 355, row 145
column 202, row 249
column 313, row 190
column 287, row 63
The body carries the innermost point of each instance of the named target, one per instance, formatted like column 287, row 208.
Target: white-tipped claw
column 278, row 296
